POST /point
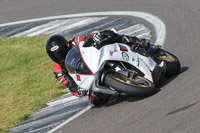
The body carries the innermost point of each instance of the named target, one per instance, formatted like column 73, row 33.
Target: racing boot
column 75, row 90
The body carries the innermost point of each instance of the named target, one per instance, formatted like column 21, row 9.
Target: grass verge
column 26, row 79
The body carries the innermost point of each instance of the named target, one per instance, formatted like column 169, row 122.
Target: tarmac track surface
column 176, row 107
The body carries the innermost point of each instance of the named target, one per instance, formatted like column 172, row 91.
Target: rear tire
column 172, row 62
column 121, row 84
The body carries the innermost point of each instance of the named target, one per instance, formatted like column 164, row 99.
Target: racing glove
column 98, row 37
column 103, row 36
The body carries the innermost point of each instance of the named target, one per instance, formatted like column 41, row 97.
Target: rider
column 57, row 48
column 58, row 56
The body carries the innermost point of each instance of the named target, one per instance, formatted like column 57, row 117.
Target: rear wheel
column 137, row 86
column 172, row 62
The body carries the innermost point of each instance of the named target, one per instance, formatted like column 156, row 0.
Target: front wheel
column 172, row 62
column 137, row 86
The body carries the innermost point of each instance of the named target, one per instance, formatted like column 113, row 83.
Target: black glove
column 103, row 36
column 98, row 37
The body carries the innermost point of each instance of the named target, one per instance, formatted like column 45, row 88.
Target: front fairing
column 74, row 62
column 78, row 62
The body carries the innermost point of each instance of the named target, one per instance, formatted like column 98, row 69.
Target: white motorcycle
column 116, row 69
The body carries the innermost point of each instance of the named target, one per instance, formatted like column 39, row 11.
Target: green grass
column 26, row 79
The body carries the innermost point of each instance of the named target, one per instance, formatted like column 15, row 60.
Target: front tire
column 172, row 62
column 138, row 86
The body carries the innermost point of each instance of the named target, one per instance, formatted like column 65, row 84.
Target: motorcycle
column 118, row 69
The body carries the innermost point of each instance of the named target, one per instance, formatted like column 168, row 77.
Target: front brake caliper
column 132, row 74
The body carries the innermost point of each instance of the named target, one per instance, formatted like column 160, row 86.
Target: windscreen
column 74, row 62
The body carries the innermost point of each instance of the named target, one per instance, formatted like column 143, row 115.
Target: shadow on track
column 164, row 81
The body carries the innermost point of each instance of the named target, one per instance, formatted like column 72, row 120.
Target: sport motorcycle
column 119, row 69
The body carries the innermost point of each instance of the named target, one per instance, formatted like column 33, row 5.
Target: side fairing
column 122, row 52
column 83, row 81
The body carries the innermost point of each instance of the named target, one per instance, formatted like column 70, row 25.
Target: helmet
column 57, row 48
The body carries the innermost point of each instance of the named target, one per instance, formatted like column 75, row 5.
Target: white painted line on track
column 131, row 28
column 159, row 26
column 62, row 100
column 136, row 31
column 82, row 22
column 49, row 24
column 144, row 34
column 46, row 29
column 71, row 118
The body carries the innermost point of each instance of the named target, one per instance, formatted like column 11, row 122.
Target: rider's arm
column 59, row 74
column 108, row 37
column 62, row 75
